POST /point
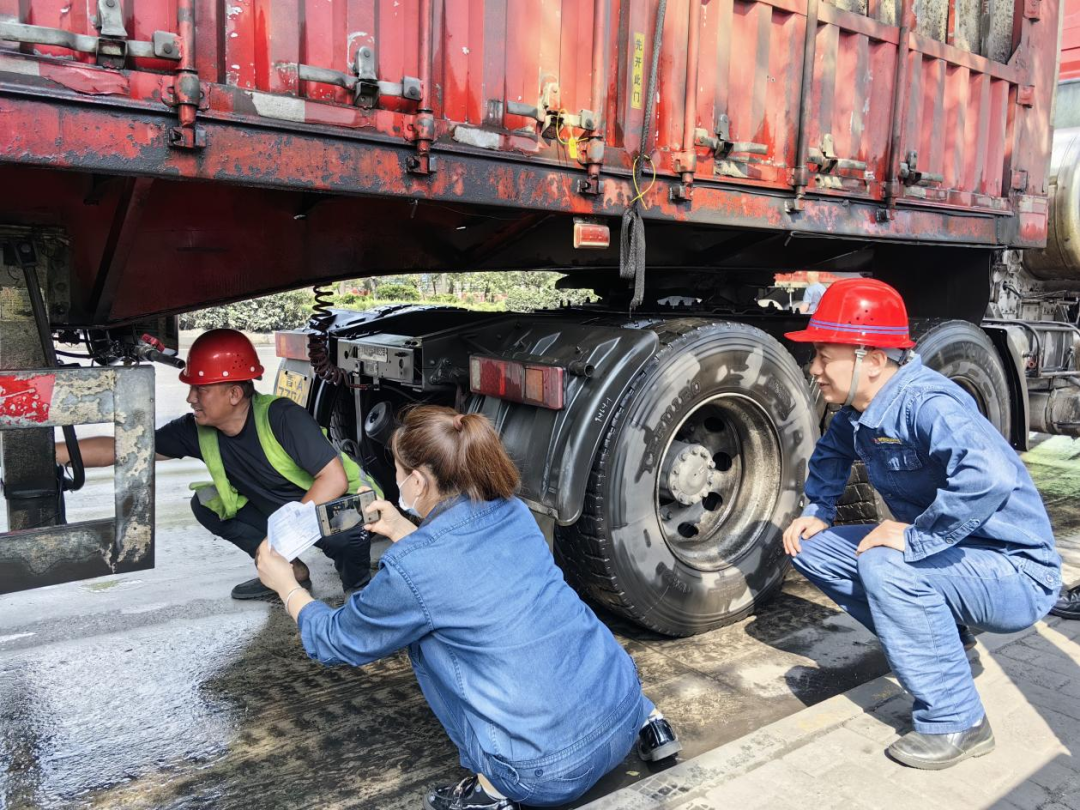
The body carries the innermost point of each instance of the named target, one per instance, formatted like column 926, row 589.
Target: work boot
column 656, row 741
column 967, row 638
column 468, row 794
column 935, row 752
column 254, row 588
column 1068, row 604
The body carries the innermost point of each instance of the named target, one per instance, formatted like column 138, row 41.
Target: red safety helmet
column 221, row 355
column 859, row 312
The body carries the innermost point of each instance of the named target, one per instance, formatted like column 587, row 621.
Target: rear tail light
column 591, row 235
column 517, row 382
column 291, row 345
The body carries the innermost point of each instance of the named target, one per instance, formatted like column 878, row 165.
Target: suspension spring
column 319, row 340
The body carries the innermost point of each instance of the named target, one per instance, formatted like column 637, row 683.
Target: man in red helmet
column 262, row 452
column 971, row 542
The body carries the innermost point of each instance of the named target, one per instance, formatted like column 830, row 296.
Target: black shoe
column 468, row 794
column 349, row 590
column 657, row 741
column 1068, row 605
column 967, row 638
column 254, row 589
column 935, row 752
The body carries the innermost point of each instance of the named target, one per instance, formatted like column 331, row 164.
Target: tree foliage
column 398, row 292
column 518, row 291
column 288, row 310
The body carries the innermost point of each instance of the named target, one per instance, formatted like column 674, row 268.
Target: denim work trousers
column 350, row 551
column 914, row 607
column 552, row 780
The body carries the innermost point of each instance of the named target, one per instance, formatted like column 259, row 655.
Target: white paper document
column 293, row 529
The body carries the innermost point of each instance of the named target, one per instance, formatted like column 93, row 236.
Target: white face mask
column 406, row 507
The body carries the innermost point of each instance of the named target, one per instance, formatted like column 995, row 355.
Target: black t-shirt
column 242, row 456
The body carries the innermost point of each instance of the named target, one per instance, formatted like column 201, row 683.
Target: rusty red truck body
column 670, row 155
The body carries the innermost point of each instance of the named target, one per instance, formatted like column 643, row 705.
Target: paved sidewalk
column 831, row 755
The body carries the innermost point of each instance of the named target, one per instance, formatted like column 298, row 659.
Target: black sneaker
column 254, row 589
column 657, row 741
column 1068, row 604
column 349, row 590
column 468, row 794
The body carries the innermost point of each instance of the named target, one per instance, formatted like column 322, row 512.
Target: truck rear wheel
column 965, row 354
column 698, row 475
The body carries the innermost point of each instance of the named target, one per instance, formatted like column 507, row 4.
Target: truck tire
column 965, row 354
column 700, row 471
column 860, row 502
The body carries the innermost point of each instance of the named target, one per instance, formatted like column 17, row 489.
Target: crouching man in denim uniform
column 971, row 543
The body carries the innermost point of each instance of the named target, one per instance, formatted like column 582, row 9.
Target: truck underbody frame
column 47, row 398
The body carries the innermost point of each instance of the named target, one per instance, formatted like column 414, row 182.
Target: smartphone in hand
column 346, row 513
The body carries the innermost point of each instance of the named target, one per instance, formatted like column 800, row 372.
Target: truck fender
column 1010, row 343
column 555, row 449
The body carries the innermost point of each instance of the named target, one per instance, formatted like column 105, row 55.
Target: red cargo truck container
column 162, row 157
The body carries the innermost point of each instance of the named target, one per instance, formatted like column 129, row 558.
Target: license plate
column 292, row 385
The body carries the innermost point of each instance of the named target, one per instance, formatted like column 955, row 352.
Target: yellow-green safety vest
column 228, row 501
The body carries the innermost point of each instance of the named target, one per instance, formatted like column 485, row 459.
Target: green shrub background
column 483, row 292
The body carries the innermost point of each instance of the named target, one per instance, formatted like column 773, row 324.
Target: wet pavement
column 156, row 690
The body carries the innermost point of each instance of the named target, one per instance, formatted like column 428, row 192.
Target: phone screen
column 345, row 513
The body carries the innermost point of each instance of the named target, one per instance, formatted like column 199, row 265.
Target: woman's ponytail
column 463, row 452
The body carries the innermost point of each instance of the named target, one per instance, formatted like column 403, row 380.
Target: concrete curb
column 670, row 788
column 687, row 784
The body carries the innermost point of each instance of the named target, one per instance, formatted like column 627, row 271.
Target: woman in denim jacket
column 537, row 695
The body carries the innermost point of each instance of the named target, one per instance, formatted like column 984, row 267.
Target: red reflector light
column 591, row 235
column 517, row 382
column 291, row 345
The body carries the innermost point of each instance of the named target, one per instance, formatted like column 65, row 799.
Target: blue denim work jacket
column 940, row 466
column 519, row 667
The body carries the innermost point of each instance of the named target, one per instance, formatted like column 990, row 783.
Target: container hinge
column 112, row 52
column 827, row 161
column 910, row 174
column 549, row 114
column 583, row 119
column 362, row 81
column 722, row 145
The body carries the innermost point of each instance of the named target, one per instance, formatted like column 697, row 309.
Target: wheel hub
column 689, row 473
column 719, row 475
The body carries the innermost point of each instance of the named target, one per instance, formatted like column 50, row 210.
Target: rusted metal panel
column 33, row 558
column 55, row 397
column 30, row 486
column 557, row 86
column 1070, row 40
